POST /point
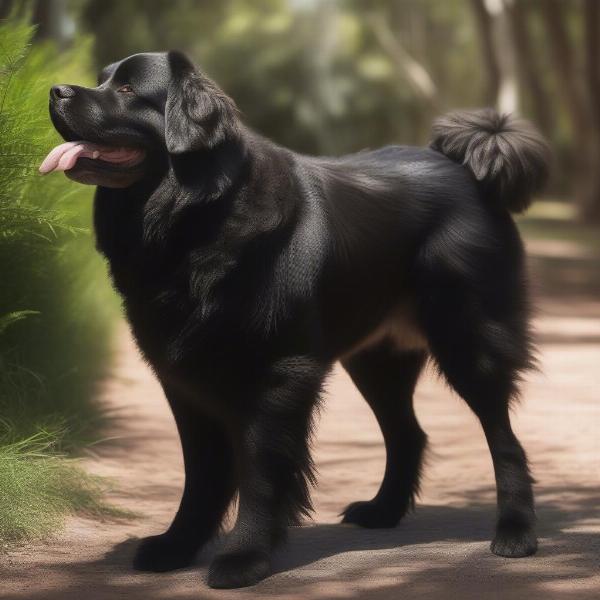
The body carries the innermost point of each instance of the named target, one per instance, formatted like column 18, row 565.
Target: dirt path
column 439, row 552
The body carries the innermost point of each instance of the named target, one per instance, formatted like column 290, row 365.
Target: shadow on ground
column 452, row 553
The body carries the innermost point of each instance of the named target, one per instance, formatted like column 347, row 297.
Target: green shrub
column 38, row 488
column 56, row 306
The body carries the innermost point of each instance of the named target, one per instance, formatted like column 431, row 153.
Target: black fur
column 507, row 156
column 247, row 270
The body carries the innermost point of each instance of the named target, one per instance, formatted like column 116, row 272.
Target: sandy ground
column 440, row 551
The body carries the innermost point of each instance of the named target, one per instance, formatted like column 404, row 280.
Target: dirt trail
column 441, row 551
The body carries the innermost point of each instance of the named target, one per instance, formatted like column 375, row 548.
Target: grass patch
column 56, row 306
column 39, row 488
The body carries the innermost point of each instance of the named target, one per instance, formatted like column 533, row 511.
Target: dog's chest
column 173, row 300
column 177, row 308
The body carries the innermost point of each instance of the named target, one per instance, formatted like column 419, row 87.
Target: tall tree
column 413, row 72
column 579, row 96
column 483, row 23
column 53, row 21
column 530, row 72
column 499, row 53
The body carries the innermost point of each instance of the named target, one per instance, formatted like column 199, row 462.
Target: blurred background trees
column 334, row 76
column 319, row 76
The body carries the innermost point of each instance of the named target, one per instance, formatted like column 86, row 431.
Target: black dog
column 246, row 270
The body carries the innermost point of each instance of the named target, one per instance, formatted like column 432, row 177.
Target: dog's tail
column 507, row 156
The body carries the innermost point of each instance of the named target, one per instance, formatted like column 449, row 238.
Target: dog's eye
column 125, row 89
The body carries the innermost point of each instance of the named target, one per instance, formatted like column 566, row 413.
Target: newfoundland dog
column 246, row 270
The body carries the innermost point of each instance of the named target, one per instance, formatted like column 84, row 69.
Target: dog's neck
column 209, row 174
column 187, row 199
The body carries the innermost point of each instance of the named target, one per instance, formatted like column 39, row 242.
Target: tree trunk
column 412, row 71
column 590, row 210
column 6, row 7
column 499, row 53
column 575, row 94
column 564, row 63
column 527, row 63
column 52, row 21
column 483, row 23
column 327, row 102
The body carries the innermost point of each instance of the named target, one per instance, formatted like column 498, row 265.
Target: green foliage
column 39, row 487
column 14, row 317
column 56, row 306
column 51, row 274
column 309, row 74
column 320, row 76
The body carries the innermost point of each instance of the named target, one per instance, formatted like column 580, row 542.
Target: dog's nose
column 62, row 91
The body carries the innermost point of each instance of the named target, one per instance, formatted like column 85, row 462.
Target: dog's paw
column 371, row 515
column 238, row 569
column 160, row 553
column 514, row 541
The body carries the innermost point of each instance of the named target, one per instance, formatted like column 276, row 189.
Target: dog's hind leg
column 386, row 377
column 477, row 331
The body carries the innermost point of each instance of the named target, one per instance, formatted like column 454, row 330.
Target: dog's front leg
column 208, row 490
column 274, row 470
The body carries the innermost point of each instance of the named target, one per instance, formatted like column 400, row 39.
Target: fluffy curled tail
column 506, row 155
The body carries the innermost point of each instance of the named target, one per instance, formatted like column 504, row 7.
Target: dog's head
column 145, row 107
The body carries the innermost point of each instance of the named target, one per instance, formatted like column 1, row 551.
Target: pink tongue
column 64, row 156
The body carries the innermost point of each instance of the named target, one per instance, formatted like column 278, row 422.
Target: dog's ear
column 198, row 115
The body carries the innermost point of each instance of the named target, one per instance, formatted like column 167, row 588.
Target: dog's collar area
column 64, row 156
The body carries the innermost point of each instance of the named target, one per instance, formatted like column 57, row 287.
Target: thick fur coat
column 246, row 270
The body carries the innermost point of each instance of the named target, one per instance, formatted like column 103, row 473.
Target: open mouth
column 65, row 156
